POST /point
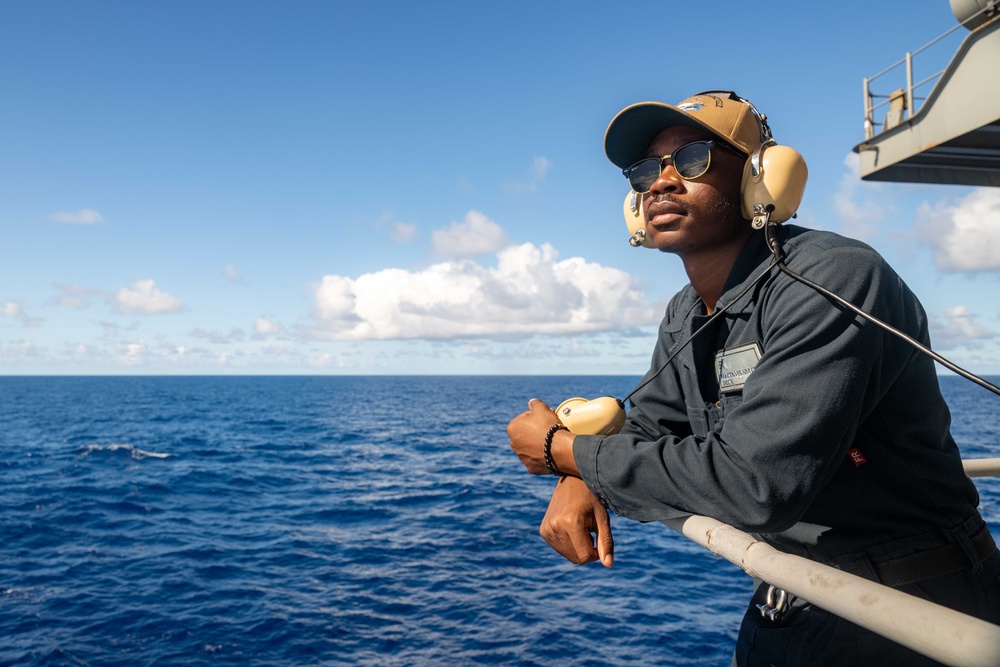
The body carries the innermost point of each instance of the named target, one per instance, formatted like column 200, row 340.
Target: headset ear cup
column 780, row 183
column 635, row 220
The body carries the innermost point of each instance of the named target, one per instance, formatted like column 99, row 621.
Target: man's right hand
column 574, row 514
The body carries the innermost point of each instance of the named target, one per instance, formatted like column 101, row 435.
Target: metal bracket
column 760, row 216
column 776, row 605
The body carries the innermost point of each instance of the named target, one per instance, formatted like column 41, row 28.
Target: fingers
column 605, row 542
column 572, row 542
column 536, row 404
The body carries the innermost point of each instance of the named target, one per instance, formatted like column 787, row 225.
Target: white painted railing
column 909, row 98
column 982, row 467
column 946, row 635
column 943, row 634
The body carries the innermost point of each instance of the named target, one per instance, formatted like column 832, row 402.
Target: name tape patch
column 735, row 364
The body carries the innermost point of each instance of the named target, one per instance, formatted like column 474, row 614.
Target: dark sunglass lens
column 691, row 161
column 643, row 174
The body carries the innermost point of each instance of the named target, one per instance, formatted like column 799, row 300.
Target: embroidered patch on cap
column 691, row 106
column 735, row 364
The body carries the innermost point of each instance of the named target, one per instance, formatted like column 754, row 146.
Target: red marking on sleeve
column 857, row 458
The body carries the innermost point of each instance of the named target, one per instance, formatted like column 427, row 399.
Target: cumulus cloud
column 15, row 310
column 142, row 298
column 528, row 292
column 857, row 213
column 132, row 353
column 959, row 329
column 264, row 327
column 476, row 235
column 12, row 309
column 536, row 173
column 85, row 216
column 964, row 236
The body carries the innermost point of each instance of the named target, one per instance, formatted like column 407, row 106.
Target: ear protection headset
column 774, row 180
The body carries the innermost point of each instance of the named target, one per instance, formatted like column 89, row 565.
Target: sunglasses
column 691, row 161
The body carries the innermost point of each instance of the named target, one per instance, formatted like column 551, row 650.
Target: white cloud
column 475, row 235
column 19, row 351
column 959, row 328
column 12, row 309
column 857, row 214
column 232, row 275
column 133, row 353
column 143, row 298
column 403, row 232
column 536, row 173
column 263, row 326
column 235, row 335
column 84, row 216
column 529, row 292
column 964, row 236
column 75, row 296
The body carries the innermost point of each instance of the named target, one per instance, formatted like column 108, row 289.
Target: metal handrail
column 982, row 467
column 910, row 110
column 946, row 635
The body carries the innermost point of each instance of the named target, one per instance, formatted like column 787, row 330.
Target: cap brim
column 632, row 131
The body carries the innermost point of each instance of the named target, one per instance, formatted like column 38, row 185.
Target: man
column 789, row 416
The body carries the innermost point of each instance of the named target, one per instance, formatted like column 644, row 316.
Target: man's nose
column 668, row 181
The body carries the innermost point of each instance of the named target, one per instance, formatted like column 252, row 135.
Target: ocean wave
column 132, row 451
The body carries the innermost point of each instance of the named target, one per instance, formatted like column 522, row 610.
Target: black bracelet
column 547, row 449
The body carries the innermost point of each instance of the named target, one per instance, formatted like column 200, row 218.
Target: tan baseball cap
column 723, row 114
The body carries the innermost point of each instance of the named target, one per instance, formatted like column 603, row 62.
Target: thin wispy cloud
column 536, row 173
column 234, row 335
column 85, row 216
column 231, row 275
column 858, row 211
column 402, row 233
column 76, row 296
column 959, row 329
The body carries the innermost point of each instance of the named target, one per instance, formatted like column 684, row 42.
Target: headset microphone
column 635, row 218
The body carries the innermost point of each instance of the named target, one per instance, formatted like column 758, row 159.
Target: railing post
column 909, row 85
column 869, row 124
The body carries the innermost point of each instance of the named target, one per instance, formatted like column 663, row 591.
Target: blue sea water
column 334, row 521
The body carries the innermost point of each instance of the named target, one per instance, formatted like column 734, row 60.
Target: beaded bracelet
column 547, row 449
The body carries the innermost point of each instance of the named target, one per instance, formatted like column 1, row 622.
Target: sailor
column 789, row 416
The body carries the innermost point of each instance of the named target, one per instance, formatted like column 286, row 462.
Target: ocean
column 335, row 521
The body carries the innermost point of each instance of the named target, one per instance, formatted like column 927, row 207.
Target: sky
column 418, row 187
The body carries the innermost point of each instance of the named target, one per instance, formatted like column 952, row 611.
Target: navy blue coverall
column 798, row 421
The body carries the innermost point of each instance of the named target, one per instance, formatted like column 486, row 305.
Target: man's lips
column 663, row 212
